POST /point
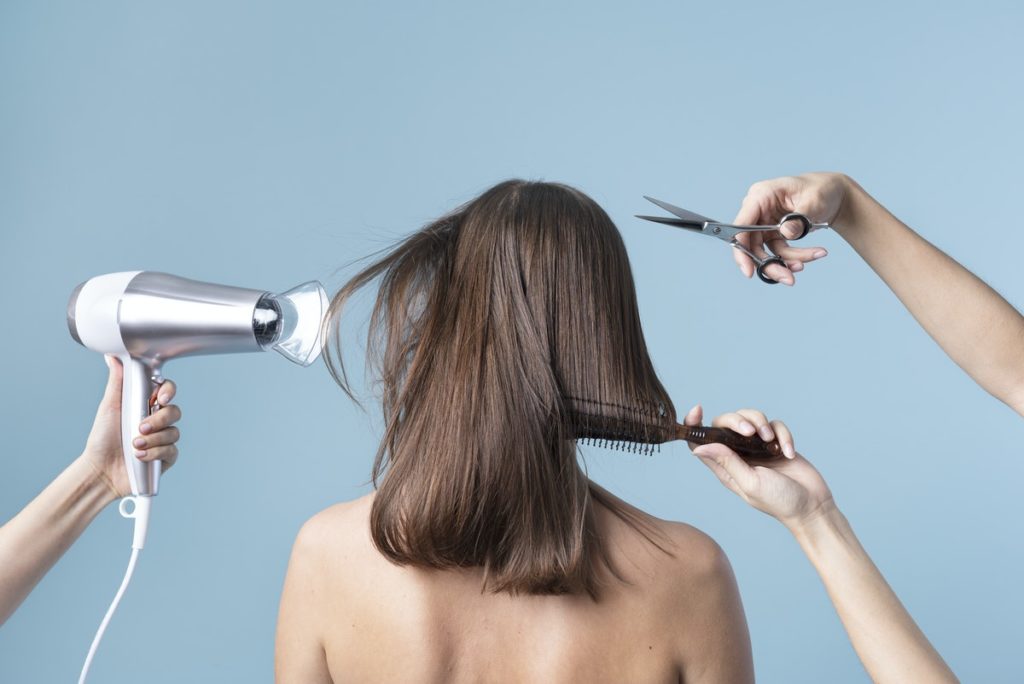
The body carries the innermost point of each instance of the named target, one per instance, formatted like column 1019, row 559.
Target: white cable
column 141, row 517
column 106, row 618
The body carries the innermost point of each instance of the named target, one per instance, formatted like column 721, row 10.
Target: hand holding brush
column 747, row 432
column 887, row 640
column 640, row 428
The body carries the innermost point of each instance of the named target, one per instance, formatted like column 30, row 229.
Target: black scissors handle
column 765, row 263
column 799, row 218
column 762, row 264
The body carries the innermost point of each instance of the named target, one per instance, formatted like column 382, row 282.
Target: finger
column 729, row 461
column 163, row 438
column 783, row 249
column 115, row 376
column 166, row 393
column 735, row 422
column 750, row 209
column 785, row 438
column 746, row 264
column 692, row 419
column 776, row 272
column 760, row 421
column 163, row 418
column 168, row 454
column 780, row 274
column 792, row 229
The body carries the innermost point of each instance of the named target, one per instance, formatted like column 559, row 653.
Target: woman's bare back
column 350, row 615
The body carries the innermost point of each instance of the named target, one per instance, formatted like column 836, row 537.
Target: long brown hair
column 486, row 322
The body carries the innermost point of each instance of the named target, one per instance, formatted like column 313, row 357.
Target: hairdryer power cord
column 140, row 514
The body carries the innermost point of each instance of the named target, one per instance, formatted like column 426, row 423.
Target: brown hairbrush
column 641, row 430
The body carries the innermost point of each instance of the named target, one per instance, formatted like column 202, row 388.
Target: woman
column 499, row 331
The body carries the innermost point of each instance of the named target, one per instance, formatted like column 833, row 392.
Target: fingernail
column 163, row 399
column 106, row 360
column 788, row 451
column 747, row 428
column 139, row 453
column 139, row 442
column 820, row 254
column 766, row 432
column 702, row 450
column 145, row 428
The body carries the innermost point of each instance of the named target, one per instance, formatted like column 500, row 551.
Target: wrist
column 849, row 217
column 92, row 481
column 824, row 521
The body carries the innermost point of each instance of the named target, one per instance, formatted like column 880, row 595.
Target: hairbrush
column 644, row 428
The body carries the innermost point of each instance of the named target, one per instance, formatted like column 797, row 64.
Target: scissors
column 728, row 232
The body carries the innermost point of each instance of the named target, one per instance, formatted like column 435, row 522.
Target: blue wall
column 264, row 144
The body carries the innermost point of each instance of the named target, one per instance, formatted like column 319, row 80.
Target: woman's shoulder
column 679, row 579
column 339, row 537
column 343, row 517
column 663, row 550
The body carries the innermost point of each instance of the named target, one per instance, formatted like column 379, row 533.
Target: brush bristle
column 636, row 428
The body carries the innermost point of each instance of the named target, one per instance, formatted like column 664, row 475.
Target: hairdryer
column 146, row 318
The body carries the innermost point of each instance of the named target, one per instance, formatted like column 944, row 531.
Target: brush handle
column 752, row 448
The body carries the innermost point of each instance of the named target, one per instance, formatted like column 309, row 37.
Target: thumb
column 112, row 393
column 791, row 229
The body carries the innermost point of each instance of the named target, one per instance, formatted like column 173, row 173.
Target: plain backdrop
column 264, row 144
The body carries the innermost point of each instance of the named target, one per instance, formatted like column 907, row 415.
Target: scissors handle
column 765, row 263
column 762, row 264
column 728, row 231
column 804, row 222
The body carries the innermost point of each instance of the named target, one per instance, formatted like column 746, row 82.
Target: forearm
column 972, row 323
column 884, row 635
column 38, row 536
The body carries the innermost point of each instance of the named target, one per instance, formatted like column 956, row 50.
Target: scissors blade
column 673, row 221
column 688, row 216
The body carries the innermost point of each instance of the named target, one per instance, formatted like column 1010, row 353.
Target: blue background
column 264, row 144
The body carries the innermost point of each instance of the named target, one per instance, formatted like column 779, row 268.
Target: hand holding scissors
column 749, row 238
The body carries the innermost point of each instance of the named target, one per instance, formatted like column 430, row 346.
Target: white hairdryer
column 146, row 318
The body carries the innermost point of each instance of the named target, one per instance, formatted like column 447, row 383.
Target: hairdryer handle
column 141, row 381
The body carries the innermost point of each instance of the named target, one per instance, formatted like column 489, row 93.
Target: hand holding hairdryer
column 103, row 451
column 145, row 319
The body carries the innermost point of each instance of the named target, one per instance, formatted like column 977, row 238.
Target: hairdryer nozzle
column 291, row 323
